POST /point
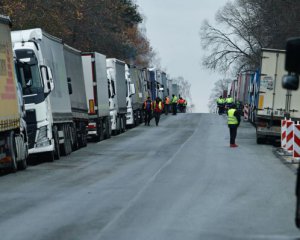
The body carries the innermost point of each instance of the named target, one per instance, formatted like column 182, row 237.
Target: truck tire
column 123, row 123
column 260, row 140
column 56, row 144
column 13, row 152
column 66, row 147
column 100, row 134
column 22, row 163
column 108, row 128
column 48, row 156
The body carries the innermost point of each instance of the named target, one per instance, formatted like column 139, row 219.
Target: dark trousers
column 157, row 117
column 166, row 109
column 221, row 110
column 233, row 132
column 147, row 117
column 174, row 108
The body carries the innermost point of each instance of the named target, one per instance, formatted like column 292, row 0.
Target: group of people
column 157, row 106
column 224, row 104
column 227, row 105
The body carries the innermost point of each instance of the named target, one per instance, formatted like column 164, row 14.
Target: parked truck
column 74, row 70
column 131, row 117
column 97, row 95
column 274, row 102
column 134, row 107
column 46, row 91
column 117, row 99
column 13, row 134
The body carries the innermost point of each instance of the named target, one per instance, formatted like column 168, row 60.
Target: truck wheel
column 48, row 156
column 108, row 129
column 118, row 127
column 66, row 147
column 56, row 144
column 99, row 136
column 123, row 124
column 260, row 140
column 22, row 165
column 13, row 152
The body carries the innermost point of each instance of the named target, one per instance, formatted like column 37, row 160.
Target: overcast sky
column 173, row 30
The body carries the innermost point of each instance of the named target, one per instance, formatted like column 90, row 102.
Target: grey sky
column 173, row 30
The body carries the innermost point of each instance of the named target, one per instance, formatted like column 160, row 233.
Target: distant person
column 148, row 107
column 167, row 105
column 234, row 120
column 158, row 107
column 221, row 105
column 229, row 100
column 174, row 104
column 181, row 104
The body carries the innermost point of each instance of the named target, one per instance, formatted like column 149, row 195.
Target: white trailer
column 274, row 102
column 97, row 96
column 74, row 70
column 46, row 92
column 13, row 133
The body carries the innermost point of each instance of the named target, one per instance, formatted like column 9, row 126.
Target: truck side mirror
column 292, row 64
column 47, row 78
column 290, row 82
column 70, row 85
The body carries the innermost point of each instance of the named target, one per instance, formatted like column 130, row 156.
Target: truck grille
column 30, row 117
column 31, row 132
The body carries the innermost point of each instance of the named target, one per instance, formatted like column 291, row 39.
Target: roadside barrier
column 283, row 134
column 289, row 135
column 296, row 151
column 246, row 112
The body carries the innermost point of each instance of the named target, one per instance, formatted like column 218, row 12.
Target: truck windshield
column 28, row 72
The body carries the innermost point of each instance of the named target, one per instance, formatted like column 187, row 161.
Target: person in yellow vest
column 229, row 100
column 174, row 104
column 234, row 120
column 221, row 105
column 167, row 105
column 158, row 106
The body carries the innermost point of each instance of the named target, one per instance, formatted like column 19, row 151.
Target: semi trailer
column 97, row 95
column 13, row 129
column 75, row 78
column 274, row 102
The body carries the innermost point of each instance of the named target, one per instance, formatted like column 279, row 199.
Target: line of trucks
column 53, row 98
column 262, row 93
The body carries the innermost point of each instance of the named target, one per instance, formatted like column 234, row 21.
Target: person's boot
column 233, row 145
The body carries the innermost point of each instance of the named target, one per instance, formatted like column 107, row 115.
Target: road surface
column 177, row 181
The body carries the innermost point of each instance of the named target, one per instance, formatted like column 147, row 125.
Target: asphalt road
column 177, row 181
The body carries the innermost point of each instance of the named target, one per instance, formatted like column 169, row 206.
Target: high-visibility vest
column 180, row 101
column 232, row 120
column 174, row 99
column 229, row 100
column 167, row 100
column 159, row 105
column 220, row 100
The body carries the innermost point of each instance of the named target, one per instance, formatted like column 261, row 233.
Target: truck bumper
column 268, row 132
column 48, row 148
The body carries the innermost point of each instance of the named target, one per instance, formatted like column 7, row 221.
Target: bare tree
column 236, row 43
column 243, row 28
